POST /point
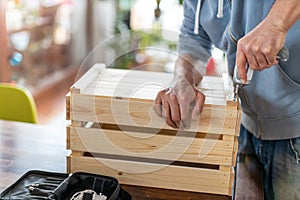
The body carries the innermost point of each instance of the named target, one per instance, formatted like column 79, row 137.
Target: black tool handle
column 283, row 54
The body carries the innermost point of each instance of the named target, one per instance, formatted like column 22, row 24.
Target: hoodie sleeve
column 193, row 39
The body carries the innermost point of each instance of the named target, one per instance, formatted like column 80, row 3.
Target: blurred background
column 45, row 42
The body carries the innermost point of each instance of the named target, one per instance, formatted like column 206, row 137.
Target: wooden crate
column 115, row 131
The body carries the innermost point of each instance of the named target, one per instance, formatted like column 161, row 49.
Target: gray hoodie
column 271, row 103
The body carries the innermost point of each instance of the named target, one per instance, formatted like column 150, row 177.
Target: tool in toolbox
column 283, row 55
column 35, row 185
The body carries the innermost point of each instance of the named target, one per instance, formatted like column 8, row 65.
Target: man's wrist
column 284, row 14
column 187, row 67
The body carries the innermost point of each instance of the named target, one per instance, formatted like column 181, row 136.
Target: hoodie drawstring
column 196, row 26
column 220, row 9
column 220, row 14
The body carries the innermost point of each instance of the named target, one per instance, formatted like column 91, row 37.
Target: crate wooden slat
column 140, row 113
column 86, row 140
column 173, row 177
column 113, row 121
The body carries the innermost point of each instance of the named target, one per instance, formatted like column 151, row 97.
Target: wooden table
column 26, row 147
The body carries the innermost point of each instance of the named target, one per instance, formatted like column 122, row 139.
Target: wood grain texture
column 161, row 176
column 25, row 146
column 138, row 84
column 147, row 145
column 148, row 193
column 139, row 112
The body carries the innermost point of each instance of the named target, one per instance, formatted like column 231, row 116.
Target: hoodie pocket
column 286, row 76
column 273, row 94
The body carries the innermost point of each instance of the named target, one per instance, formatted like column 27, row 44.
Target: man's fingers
column 166, row 105
column 252, row 62
column 175, row 111
column 241, row 61
column 200, row 99
column 271, row 59
column 166, row 112
column 262, row 61
column 157, row 105
column 158, row 109
column 185, row 113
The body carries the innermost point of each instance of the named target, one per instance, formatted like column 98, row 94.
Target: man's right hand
column 181, row 101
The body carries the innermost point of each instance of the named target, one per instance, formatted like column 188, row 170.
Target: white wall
column 78, row 28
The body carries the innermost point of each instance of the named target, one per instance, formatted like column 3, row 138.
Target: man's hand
column 179, row 103
column 182, row 101
column 260, row 46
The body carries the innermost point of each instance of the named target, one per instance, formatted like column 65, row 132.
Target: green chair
column 17, row 104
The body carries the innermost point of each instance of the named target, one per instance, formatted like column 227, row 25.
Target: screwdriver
column 283, row 55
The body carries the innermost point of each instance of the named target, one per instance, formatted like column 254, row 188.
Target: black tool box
column 38, row 185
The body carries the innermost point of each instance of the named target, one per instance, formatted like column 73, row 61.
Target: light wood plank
column 133, row 83
column 213, row 119
column 83, row 82
column 151, row 145
column 68, row 106
column 159, row 176
column 229, row 137
column 144, row 91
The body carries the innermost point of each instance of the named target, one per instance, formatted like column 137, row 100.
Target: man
column 250, row 31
